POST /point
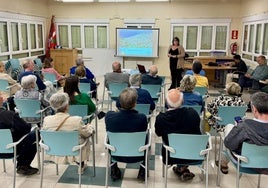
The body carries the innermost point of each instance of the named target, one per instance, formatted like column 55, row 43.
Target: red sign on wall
column 234, row 34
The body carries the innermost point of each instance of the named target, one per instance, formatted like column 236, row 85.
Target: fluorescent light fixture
column 113, row 1
column 75, row 1
column 152, row 0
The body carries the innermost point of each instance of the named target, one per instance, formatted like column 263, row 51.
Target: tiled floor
column 68, row 174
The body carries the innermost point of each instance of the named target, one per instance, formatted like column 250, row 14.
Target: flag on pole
column 51, row 41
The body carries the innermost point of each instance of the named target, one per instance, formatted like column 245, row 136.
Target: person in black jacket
column 180, row 120
column 26, row 149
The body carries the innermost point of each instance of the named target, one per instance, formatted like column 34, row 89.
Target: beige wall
column 161, row 12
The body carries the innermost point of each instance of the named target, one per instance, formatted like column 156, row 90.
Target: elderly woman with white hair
column 62, row 121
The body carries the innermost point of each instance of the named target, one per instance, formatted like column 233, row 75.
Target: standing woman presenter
column 176, row 55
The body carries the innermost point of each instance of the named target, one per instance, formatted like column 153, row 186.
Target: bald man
column 116, row 76
column 151, row 77
column 181, row 120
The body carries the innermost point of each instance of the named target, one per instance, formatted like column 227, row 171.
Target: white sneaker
column 83, row 168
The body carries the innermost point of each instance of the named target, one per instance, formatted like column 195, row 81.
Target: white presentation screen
column 134, row 42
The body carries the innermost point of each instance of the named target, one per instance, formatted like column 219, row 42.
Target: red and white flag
column 51, row 41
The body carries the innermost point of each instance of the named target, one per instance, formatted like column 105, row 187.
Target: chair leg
column 4, row 166
column 14, row 167
column 219, row 166
column 93, row 156
column 42, row 168
column 107, row 168
column 96, row 127
column 259, row 181
column 37, row 148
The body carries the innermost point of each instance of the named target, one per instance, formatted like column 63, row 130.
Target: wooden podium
column 63, row 59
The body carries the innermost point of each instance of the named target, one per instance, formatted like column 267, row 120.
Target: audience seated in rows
column 62, row 121
column 241, row 69
column 144, row 96
column 231, row 98
column 26, row 150
column 201, row 80
column 5, row 76
column 152, row 77
column 48, row 68
column 253, row 131
column 190, row 97
column 79, row 62
column 116, row 76
column 177, row 119
column 116, row 122
column 259, row 73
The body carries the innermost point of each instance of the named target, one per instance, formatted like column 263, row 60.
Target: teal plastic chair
column 144, row 109
column 51, row 77
column 197, row 108
column 252, row 157
column 154, row 90
column 225, row 116
column 85, row 88
column 8, row 149
column 114, row 92
column 82, row 111
column 13, row 68
column 38, row 65
column 191, row 147
column 130, row 144
column 62, row 143
column 202, row 90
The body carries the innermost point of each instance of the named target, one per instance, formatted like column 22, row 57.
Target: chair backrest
column 228, row 113
column 28, row 107
column 256, row 155
column 60, row 143
column 3, row 85
column 201, row 90
column 50, row 77
column 127, row 144
column 143, row 108
column 84, row 87
column 197, row 108
column 15, row 64
column 78, row 110
column 188, row 146
column 116, row 88
column 38, row 62
column 5, row 139
column 152, row 89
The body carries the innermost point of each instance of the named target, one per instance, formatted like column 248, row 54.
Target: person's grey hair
column 188, row 83
column 28, row 81
column 260, row 101
column 79, row 61
column 233, row 88
column 153, row 70
column 59, row 101
column 135, row 80
column 177, row 103
column 128, row 98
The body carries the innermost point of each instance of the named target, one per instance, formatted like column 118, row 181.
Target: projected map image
column 136, row 42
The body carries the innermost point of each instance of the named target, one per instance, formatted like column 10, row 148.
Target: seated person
column 28, row 70
column 48, row 68
column 15, row 86
column 177, row 119
column 201, row 72
column 231, row 98
column 190, row 97
column 240, row 71
column 62, row 121
column 28, row 91
column 116, row 122
column 80, row 71
column 116, row 76
column 144, row 96
column 201, row 80
column 76, row 97
column 253, row 131
column 79, row 62
column 26, row 150
column 152, row 77
column 259, row 73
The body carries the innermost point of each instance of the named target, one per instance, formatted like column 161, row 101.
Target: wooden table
column 223, row 70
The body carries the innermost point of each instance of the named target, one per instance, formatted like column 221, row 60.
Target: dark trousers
column 27, row 150
column 247, row 82
column 176, row 75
